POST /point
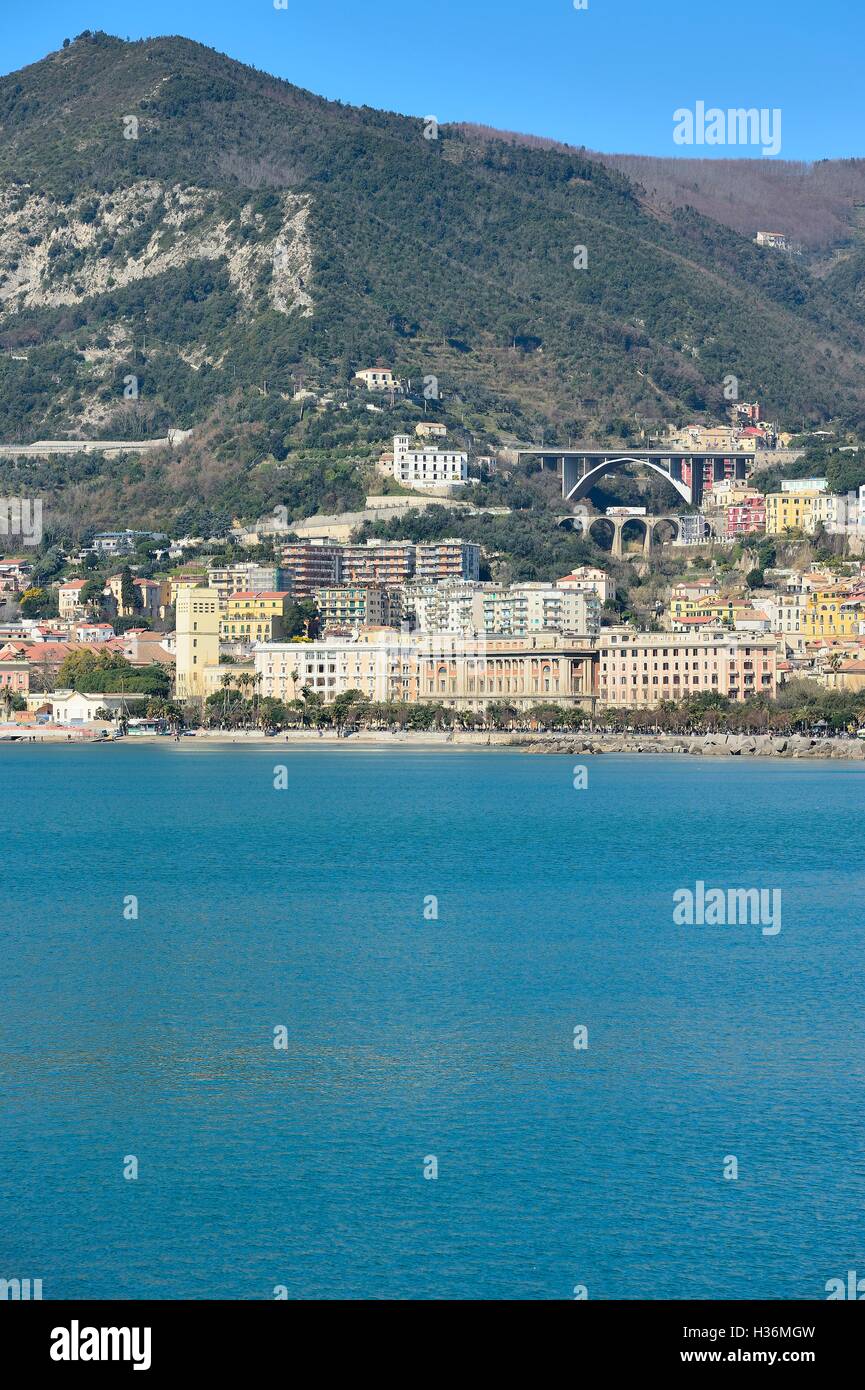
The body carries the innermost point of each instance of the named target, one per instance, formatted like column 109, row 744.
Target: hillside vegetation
column 254, row 238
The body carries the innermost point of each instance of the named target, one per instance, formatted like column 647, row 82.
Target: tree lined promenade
column 801, row 707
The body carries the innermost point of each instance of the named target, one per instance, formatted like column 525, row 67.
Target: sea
column 419, row 1023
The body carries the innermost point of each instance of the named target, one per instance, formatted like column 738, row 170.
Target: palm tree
column 225, row 682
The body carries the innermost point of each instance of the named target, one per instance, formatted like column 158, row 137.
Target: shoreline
column 589, row 744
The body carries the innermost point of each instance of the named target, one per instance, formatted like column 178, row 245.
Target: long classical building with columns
column 462, row 672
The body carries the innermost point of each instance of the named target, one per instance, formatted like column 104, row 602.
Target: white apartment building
column 69, row 598
column 427, row 467
column 522, row 609
column 461, row 608
column 447, row 606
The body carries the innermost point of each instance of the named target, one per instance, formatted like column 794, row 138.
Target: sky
column 609, row 76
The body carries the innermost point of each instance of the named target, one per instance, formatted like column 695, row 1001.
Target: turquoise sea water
column 409, row 1038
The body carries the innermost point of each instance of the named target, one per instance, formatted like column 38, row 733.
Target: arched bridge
column 691, row 474
column 588, row 526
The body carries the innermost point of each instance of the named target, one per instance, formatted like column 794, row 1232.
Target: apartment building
column 357, row 605
column 451, row 558
column 309, row 565
column 784, row 612
column 745, row 516
column 693, row 529
column 588, row 577
column 187, row 579
column 715, row 609
column 427, row 467
column 801, row 505
column 831, row 611
column 380, row 664
column 444, row 607
column 462, row 607
column 69, row 598
column 248, row 578
column 520, row 609
column 379, row 563
column 641, row 669
column 14, row 674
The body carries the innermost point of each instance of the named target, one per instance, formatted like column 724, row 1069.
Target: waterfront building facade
column 460, row 672
column 644, row 668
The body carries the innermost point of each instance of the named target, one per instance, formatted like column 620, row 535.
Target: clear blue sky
column 608, row 77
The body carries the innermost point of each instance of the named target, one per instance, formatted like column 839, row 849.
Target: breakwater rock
column 700, row 745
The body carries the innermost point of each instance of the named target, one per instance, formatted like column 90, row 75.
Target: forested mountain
column 221, row 238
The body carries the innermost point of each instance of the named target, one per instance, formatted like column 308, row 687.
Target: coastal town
column 307, row 623
column 440, row 539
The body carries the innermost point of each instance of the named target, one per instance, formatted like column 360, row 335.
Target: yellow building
column 256, row 617
column 800, row 508
column 197, row 622
column 831, row 612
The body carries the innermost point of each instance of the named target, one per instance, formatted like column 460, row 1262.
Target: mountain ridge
column 450, row 257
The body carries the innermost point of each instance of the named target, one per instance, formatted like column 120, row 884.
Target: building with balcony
column 309, row 565
column 358, row 605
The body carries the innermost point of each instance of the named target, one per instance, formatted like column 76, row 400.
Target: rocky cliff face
column 54, row 253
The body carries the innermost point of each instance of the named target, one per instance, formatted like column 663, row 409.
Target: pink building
column 15, row 675
column 746, row 515
column 640, row 669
